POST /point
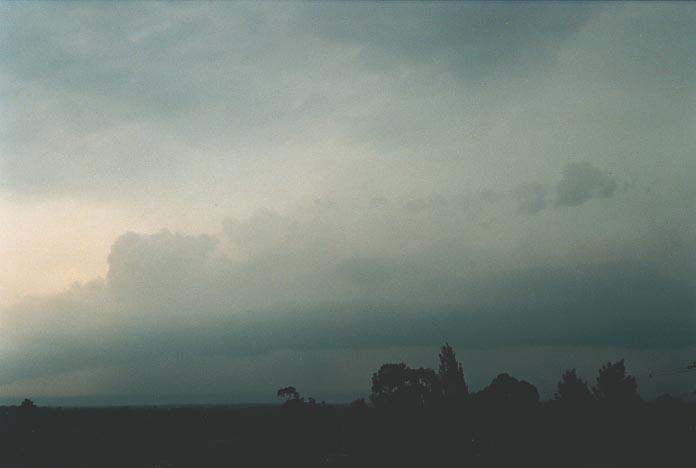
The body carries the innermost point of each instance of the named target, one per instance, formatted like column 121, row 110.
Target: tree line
column 396, row 386
column 413, row 417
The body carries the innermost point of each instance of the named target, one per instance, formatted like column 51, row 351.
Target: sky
column 204, row 202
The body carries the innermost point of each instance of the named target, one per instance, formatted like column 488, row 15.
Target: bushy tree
column 399, row 386
column 288, row 393
column 27, row 404
column 614, row 385
column 507, row 391
column 425, row 386
column 572, row 390
column 389, row 385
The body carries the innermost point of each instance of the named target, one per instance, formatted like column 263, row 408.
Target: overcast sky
column 207, row 201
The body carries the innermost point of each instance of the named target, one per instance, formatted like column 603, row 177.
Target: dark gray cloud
column 380, row 163
column 300, row 286
column 581, row 182
column 472, row 39
column 129, row 94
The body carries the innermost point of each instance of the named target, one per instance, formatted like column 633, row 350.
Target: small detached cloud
column 581, row 182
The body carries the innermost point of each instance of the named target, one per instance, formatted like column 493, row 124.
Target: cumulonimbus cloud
column 337, row 277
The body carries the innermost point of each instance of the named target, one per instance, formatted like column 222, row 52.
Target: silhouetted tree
column 288, row 393
column 613, row 385
column 507, row 391
column 451, row 375
column 572, row 390
column 389, row 385
column 425, row 386
column 27, row 404
column 399, row 386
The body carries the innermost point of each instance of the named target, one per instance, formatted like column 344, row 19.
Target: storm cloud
column 345, row 278
column 211, row 199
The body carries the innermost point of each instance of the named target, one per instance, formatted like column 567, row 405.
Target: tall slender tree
column 451, row 375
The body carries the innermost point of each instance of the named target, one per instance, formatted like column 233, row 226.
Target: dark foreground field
column 656, row 434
